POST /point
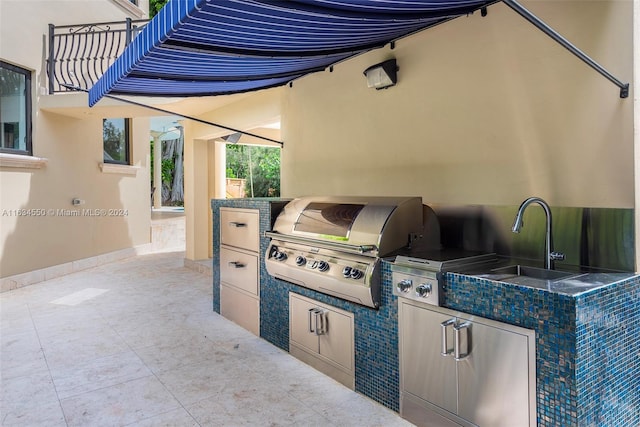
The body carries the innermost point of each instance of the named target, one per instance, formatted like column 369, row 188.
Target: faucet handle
column 556, row 256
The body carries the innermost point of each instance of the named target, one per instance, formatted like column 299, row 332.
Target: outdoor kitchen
column 537, row 353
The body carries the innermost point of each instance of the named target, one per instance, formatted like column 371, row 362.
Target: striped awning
column 216, row 47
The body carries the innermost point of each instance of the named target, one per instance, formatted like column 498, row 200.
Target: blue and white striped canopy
column 216, row 47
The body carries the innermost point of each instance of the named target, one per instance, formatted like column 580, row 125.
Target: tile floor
column 135, row 342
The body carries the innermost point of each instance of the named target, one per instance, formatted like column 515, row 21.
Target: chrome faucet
column 550, row 255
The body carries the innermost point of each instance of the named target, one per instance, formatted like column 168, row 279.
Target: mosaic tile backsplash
column 587, row 345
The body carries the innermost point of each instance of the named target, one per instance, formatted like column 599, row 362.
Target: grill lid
column 374, row 226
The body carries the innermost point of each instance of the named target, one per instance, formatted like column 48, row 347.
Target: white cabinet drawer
column 239, row 269
column 240, row 308
column 240, row 228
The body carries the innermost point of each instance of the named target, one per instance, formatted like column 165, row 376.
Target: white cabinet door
column 494, row 377
column 425, row 373
column 337, row 341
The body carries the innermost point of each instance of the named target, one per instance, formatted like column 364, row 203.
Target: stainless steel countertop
column 573, row 285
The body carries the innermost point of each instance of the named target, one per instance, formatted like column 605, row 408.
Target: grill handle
column 344, row 247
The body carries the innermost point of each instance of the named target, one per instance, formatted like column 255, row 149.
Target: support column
column 196, row 195
column 217, row 180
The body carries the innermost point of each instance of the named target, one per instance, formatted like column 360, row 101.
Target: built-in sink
column 527, row 276
column 533, row 272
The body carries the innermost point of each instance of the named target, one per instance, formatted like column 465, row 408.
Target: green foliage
column 155, row 6
column 265, row 168
column 167, row 171
column 237, row 162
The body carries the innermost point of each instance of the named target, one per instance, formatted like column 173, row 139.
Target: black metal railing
column 80, row 54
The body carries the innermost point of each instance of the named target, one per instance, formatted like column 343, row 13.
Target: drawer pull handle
column 236, row 264
column 237, row 224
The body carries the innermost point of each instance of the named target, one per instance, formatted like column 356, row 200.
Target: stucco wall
column 73, row 147
column 486, row 111
column 74, row 150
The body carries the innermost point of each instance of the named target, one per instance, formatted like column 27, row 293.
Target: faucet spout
column 550, row 255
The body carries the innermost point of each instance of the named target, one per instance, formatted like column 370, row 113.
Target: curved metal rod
column 518, row 8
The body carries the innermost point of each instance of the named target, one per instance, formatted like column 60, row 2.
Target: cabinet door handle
column 317, row 322
column 236, row 264
column 237, row 224
column 312, row 323
column 321, row 318
column 444, row 346
column 457, row 354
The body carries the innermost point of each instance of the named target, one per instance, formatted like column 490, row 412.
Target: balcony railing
column 80, row 54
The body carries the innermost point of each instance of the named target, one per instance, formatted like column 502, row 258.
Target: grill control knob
column 356, row 274
column 423, row 290
column 280, row 256
column 300, row 260
column 323, row 266
column 346, row 272
column 404, row 285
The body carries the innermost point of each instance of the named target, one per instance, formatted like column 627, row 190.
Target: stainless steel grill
column 420, row 277
column 334, row 244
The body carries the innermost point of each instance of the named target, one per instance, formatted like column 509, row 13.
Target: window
column 116, row 137
column 134, row 2
column 15, row 109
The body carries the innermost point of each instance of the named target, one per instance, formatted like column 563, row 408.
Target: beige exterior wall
column 486, row 111
column 73, row 149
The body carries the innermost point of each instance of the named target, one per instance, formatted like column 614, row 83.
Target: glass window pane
column 14, row 84
column 115, row 135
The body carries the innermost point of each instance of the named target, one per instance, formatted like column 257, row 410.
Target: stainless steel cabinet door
column 337, row 343
column 425, row 373
column 494, row 378
column 299, row 328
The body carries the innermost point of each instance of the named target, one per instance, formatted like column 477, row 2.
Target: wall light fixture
column 382, row 75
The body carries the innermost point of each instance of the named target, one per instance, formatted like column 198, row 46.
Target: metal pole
column 50, row 64
column 128, row 32
column 518, row 8
column 173, row 113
